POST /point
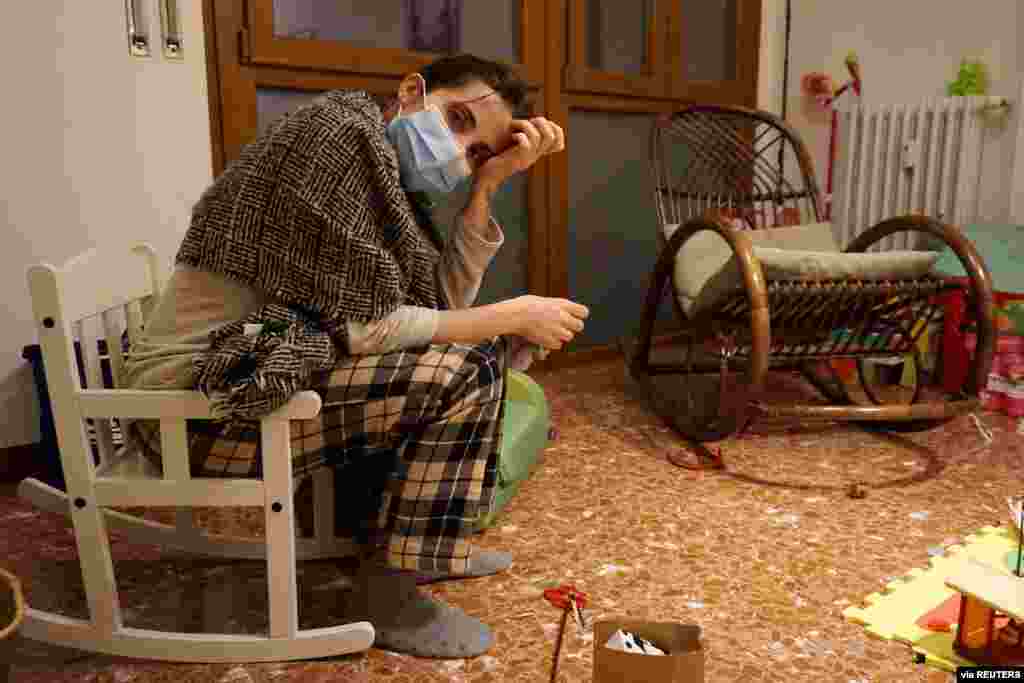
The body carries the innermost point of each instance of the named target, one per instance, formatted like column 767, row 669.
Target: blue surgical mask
column 430, row 159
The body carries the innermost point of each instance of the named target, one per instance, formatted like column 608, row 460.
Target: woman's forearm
column 476, row 324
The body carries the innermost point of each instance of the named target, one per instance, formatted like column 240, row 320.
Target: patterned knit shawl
column 312, row 214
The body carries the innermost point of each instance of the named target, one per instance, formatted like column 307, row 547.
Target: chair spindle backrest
column 88, row 311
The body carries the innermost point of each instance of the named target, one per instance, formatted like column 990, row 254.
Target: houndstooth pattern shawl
column 313, row 215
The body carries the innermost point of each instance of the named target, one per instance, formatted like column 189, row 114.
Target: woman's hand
column 532, row 139
column 548, row 322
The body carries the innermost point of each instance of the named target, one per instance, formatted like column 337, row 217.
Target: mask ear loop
column 424, row 81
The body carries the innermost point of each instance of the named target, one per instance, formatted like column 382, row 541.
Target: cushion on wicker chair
column 706, row 269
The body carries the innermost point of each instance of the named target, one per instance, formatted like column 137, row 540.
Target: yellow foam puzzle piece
column 893, row 613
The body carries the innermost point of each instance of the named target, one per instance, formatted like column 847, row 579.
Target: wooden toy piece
column 986, row 592
column 942, row 618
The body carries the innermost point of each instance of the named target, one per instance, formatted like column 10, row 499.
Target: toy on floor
column 569, row 600
column 820, row 87
column 988, row 597
column 988, row 607
column 903, row 610
column 985, row 593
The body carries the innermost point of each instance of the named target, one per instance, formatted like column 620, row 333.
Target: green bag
column 527, row 422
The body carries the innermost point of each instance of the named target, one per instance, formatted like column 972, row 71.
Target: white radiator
column 920, row 158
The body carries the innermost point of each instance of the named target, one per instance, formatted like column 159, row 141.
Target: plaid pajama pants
column 412, row 437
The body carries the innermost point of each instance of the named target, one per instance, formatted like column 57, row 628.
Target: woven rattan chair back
column 744, row 164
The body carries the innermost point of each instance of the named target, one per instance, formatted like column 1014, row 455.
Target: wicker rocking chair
column 719, row 185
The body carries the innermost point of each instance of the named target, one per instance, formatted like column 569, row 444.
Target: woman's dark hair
column 455, row 71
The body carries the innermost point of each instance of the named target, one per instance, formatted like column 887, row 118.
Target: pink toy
column 819, row 86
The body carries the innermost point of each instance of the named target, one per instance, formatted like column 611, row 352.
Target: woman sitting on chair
column 312, row 262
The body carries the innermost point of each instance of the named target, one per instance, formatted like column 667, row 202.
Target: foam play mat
column 907, row 605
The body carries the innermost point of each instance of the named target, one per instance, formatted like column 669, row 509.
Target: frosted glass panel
column 488, row 29
column 612, row 221
column 272, row 103
column 709, row 40
column 616, row 37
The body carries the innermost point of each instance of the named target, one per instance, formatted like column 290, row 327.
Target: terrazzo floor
column 763, row 555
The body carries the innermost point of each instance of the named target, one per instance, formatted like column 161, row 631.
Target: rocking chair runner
column 749, row 301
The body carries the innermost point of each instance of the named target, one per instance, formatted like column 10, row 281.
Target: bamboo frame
column 17, row 603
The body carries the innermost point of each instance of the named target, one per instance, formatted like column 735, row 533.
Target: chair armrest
column 753, row 281
column 180, row 405
column 739, row 244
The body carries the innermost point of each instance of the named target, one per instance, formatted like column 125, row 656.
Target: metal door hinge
column 170, row 22
column 138, row 35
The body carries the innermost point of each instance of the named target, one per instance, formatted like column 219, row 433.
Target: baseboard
column 603, row 353
column 18, row 462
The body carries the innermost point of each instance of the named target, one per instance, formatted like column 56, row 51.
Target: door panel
column 616, row 47
column 713, row 50
column 708, row 40
column 394, row 37
column 612, row 243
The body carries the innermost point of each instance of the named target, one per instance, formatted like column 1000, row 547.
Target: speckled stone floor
column 763, row 555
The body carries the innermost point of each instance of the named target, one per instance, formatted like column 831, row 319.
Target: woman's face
column 478, row 117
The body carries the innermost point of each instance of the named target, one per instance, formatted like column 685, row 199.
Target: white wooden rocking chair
column 96, row 289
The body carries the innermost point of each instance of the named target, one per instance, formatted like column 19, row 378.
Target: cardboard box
column 683, row 662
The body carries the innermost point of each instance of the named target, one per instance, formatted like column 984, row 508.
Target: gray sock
column 411, row 622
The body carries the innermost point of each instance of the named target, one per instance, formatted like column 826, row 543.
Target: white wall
column 908, row 50
column 97, row 146
column 1017, row 190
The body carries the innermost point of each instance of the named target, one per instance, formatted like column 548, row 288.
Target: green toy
column 971, row 79
column 1010, row 318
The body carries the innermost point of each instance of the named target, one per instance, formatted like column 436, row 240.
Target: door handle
column 138, row 37
column 170, row 23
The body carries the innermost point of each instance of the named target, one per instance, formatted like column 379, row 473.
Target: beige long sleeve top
column 194, row 303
